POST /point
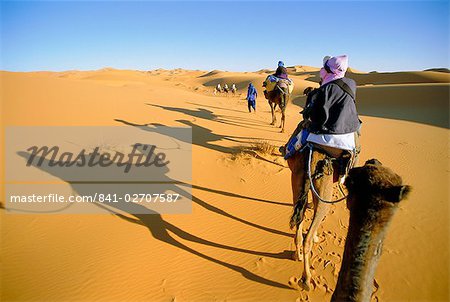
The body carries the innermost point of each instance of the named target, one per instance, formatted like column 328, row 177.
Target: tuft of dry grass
column 261, row 150
column 258, row 147
column 263, row 147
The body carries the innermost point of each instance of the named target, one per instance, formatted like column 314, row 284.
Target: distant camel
column 218, row 89
column 325, row 165
column 233, row 89
column 278, row 96
column 226, row 89
column 374, row 194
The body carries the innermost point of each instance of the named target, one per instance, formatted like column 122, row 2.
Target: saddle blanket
column 295, row 144
column 271, row 81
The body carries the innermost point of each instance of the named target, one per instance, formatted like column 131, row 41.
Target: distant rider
column 281, row 71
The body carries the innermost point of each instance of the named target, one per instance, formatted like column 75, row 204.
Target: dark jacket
column 331, row 110
column 281, row 73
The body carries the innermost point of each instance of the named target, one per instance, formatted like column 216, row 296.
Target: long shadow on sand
column 158, row 227
column 204, row 137
column 215, row 107
column 201, row 136
column 258, row 122
column 224, row 193
column 223, row 119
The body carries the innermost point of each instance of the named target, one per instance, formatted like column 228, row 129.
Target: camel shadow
column 229, row 194
column 202, row 136
column 153, row 221
column 164, row 130
column 207, row 114
column 215, row 107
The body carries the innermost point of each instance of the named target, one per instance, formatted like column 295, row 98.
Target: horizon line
column 221, row 70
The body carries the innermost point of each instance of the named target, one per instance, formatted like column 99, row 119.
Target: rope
column 312, row 183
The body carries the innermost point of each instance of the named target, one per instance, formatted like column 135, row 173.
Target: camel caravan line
column 225, row 89
column 372, row 191
column 321, row 156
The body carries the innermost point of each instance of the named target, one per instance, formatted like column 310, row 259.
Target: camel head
column 374, row 193
column 376, row 183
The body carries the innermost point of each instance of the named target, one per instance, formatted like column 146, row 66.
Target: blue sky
column 233, row 35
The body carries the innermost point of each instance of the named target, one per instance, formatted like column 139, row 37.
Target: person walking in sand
column 251, row 97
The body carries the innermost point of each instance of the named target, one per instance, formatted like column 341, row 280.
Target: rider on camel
column 281, row 71
column 330, row 116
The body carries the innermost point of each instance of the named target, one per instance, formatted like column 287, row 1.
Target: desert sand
column 236, row 244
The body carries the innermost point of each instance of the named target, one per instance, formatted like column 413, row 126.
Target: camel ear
column 396, row 194
column 373, row 161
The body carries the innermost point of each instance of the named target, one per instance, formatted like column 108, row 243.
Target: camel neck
column 367, row 229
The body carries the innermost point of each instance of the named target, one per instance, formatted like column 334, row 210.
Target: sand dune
column 390, row 78
column 236, row 243
column 422, row 103
column 446, row 70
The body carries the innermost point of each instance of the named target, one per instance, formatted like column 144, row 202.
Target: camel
column 226, row 89
column 233, row 89
column 326, row 166
column 218, row 89
column 374, row 193
column 278, row 96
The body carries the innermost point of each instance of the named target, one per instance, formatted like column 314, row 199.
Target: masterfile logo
column 98, row 169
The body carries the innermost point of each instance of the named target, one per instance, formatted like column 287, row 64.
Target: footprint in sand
column 295, row 282
column 262, row 262
column 163, row 285
column 303, row 297
column 342, row 225
column 339, row 241
column 335, row 256
column 320, row 249
column 320, row 238
column 315, row 261
column 321, row 283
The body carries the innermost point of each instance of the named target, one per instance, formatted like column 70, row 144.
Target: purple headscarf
column 334, row 68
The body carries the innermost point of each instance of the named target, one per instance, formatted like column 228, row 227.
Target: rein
column 281, row 89
column 313, row 189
